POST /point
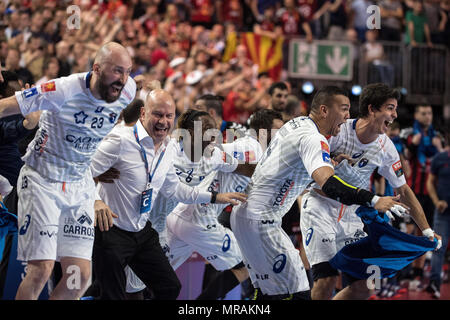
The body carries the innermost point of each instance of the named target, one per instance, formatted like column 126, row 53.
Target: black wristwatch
column 213, row 196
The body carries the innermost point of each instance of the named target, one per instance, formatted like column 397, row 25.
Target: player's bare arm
column 416, row 212
column 9, row 106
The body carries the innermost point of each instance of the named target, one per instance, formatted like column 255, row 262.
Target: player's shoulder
column 121, row 131
column 75, row 82
column 129, row 90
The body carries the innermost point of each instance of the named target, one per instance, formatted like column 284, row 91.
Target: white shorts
column 216, row 244
column 274, row 264
column 55, row 219
column 327, row 226
column 134, row 284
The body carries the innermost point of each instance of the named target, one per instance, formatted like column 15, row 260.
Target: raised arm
column 9, row 106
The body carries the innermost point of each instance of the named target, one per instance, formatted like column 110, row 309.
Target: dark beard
column 102, row 89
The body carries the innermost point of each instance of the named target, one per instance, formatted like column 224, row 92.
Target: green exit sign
column 330, row 60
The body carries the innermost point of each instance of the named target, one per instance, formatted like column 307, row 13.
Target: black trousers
column 141, row 251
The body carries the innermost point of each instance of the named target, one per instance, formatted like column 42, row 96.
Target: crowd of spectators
column 182, row 43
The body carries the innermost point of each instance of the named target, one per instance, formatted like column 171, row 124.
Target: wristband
column 374, row 201
column 213, row 196
column 428, row 233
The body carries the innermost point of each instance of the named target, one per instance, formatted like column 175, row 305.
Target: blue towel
column 386, row 247
column 8, row 225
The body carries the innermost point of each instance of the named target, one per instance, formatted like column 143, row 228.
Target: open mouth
column 116, row 89
column 388, row 123
column 161, row 130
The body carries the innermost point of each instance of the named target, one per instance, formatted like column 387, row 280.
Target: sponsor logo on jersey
column 226, row 243
column 24, row 182
column 294, row 124
column 326, row 157
column 247, row 156
column 99, row 109
column 112, row 117
column 24, row 227
column 41, row 142
column 238, row 155
column 166, row 249
column 29, row 93
column 84, row 142
column 262, row 276
column 283, row 192
column 72, row 229
column 48, row 86
column 84, row 218
column 325, row 146
column 280, row 263
column 214, row 257
column 363, row 162
column 398, row 170
column 214, row 185
column 309, row 234
column 359, row 234
column 49, row 232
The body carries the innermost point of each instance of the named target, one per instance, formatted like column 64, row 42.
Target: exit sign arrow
column 337, row 61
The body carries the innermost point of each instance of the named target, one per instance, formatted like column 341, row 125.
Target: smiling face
column 383, row 117
column 112, row 79
column 112, row 68
column 158, row 115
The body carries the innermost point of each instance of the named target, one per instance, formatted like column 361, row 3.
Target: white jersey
column 380, row 154
column 296, row 151
column 72, row 125
column 192, row 174
column 246, row 149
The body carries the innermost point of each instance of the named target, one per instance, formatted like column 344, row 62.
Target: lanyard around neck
column 144, row 156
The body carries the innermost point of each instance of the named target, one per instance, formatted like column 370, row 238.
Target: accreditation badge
column 146, row 201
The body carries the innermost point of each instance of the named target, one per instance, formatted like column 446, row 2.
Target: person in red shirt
column 230, row 11
column 290, row 19
column 202, row 12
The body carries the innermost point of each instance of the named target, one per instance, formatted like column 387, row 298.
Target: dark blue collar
column 314, row 123
column 88, row 79
column 223, row 126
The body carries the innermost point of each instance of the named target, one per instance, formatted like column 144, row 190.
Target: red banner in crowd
column 266, row 52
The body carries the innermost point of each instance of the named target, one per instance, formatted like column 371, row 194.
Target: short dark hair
column 186, row 120
column 421, row 105
column 263, row 119
column 375, row 94
column 132, row 112
column 8, row 76
column 324, row 96
column 277, row 85
column 212, row 102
